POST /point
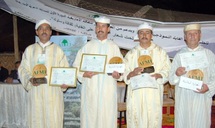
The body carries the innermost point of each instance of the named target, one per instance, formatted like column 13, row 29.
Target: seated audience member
column 3, row 73
column 13, row 77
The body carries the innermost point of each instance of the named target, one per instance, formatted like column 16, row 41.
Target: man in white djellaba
column 149, row 65
column 99, row 90
column 193, row 105
column 45, row 102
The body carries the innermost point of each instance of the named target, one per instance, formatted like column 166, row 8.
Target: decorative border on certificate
column 63, row 75
column 93, row 63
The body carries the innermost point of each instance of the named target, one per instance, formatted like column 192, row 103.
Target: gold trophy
column 115, row 60
column 145, row 61
column 39, row 73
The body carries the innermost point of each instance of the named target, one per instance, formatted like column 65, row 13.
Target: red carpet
column 168, row 117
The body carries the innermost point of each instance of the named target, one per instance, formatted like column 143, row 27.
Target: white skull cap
column 44, row 21
column 192, row 27
column 102, row 19
column 144, row 26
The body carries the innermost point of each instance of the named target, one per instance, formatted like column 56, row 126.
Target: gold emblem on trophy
column 145, row 61
column 115, row 60
column 39, row 73
column 196, row 74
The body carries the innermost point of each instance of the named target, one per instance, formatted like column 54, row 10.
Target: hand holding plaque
column 145, row 61
column 39, row 73
column 193, row 80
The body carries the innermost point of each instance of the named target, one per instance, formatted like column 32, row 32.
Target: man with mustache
column 45, row 102
column 99, row 91
column 149, row 64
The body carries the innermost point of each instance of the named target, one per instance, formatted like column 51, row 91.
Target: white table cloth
column 13, row 101
column 13, row 104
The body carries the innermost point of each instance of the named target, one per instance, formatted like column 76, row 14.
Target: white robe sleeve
column 25, row 71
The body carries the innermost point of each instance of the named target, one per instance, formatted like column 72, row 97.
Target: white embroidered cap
column 102, row 19
column 145, row 26
column 44, row 21
column 192, row 27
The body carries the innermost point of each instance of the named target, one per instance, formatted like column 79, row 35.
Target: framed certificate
column 93, row 63
column 63, row 75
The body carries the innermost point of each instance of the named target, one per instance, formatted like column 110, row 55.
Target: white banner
column 77, row 21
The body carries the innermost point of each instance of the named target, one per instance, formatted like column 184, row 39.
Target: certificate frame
column 63, row 75
column 93, row 63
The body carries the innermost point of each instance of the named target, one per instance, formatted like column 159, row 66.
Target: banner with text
column 78, row 21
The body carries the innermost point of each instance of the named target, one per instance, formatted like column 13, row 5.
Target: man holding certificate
column 193, row 74
column 45, row 103
column 147, row 69
column 99, row 90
